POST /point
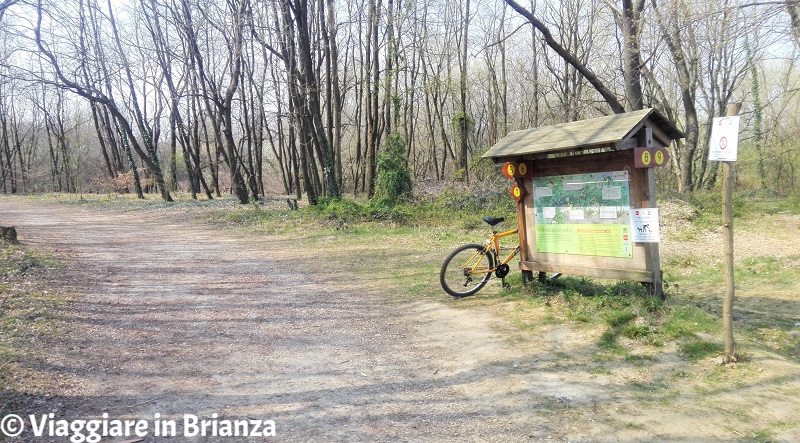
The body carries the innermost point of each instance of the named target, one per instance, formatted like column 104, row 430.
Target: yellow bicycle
column 467, row 269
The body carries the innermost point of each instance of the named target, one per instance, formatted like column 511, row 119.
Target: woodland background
column 301, row 97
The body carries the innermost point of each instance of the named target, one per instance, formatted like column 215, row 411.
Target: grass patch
column 601, row 370
column 790, row 205
column 449, row 219
column 628, row 314
column 608, row 341
column 636, row 331
column 768, row 434
column 779, row 271
column 688, row 320
column 648, row 387
column 624, row 309
column 708, row 208
column 28, row 311
column 15, row 261
column 696, row 350
column 618, row 318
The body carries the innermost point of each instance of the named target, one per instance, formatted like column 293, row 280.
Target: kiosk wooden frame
column 599, row 145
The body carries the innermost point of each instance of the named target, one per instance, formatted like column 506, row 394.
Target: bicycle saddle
column 493, row 220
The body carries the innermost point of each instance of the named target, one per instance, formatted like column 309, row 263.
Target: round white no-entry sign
column 724, row 143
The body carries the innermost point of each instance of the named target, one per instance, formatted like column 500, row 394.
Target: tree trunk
column 727, row 234
column 631, row 53
column 687, row 70
column 313, row 116
column 336, row 96
column 372, row 138
column 144, row 129
column 463, row 157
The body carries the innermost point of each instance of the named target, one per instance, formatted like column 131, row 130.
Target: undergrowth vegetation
column 457, row 208
column 28, row 308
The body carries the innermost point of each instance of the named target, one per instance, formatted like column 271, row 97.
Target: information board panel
column 584, row 214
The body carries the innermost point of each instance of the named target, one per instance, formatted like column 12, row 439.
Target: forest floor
column 168, row 317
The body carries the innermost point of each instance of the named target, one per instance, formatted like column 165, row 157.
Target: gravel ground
column 176, row 318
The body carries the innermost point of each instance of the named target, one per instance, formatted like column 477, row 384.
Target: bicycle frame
column 495, row 242
column 493, row 247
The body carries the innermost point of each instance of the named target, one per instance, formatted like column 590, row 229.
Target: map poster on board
column 584, row 214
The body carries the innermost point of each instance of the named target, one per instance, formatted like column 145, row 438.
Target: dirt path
column 175, row 318
column 180, row 319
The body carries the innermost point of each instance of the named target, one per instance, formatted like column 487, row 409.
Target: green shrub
column 791, row 204
column 393, row 183
column 14, row 261
column 708, row 207
column 339, row 209
column 486, row 198
column 386, row 211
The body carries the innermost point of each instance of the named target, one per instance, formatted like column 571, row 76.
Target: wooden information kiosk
column 585, row 191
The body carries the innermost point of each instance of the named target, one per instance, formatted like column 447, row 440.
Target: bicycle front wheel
column 466, row 270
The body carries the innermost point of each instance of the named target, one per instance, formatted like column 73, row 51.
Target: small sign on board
column 645, row 225
column 517, row 191
column 724, row 143
column 650, row 157
column 515, row 169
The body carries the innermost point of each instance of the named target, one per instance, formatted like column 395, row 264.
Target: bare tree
column 374, row 127
column 12, row 162
column 219, row 102
column 310, row 88
column 309, row 82
column 463, row 117
column 144, row 129
column 678, row 33
column 238, row 9
column 793, row 8
column 179, row 132
column 334, row 92
column 609, row 96
column 94, row 95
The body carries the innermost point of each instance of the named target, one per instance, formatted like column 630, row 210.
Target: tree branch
column 570, row 58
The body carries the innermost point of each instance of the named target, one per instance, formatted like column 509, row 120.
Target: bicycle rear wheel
column 466, row 270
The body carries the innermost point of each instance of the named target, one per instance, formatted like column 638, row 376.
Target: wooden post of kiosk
column 657, row 286
column 518, row 170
